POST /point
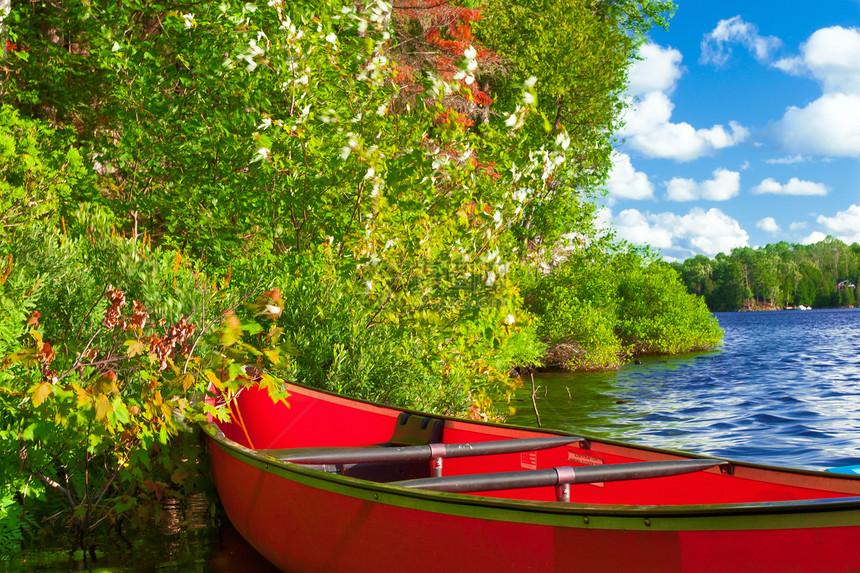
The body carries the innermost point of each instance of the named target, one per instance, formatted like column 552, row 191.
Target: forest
column 390, row 201
column 782, row 275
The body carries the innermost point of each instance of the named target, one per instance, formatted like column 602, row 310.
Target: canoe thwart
column 560, row 477
column 419, row 453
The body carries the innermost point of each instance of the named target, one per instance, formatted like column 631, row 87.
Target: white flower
column 510, row 320
column 370, row 173
column 254, row 49
column 497, row 218
column 472, row 65
column 512, row 120
column 470, row 53
column 491, row 278
column 562, row 140
column 528, row 98
column 189, row 20
column 530, row 83
column 249, row 7
column 116, row 47
column 344, row 152
column 369, row 285
column 265, row 123
column 331, row 39
column 262, row 154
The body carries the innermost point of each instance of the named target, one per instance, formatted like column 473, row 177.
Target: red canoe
column 330, row 484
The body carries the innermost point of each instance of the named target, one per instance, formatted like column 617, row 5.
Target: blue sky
column 744, row 129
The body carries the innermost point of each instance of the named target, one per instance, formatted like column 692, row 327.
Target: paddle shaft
column 560, row 476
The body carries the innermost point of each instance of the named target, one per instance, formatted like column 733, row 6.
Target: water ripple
column 784, row 390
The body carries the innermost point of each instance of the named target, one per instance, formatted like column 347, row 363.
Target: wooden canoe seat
column 416, row 430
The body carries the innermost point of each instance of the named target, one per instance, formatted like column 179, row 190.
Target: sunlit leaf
column 213, row 379
column 273, row 356
column 40, row 391
column 103, row 407
column 135, row 348
column 186, row 381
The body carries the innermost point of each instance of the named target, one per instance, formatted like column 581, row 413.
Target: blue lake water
column 784, row 390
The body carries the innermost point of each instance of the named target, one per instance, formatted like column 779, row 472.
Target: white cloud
column 640, row 229
column 698, row 232
column 845, row 225
column 798, row 226
column 794, row 186
column 716, row 46
column 788, row 160
column 793, row 65
column 833, row 56
column 658, row 70
column 768, row 225
column 648, row 126
column 625, row 182
column 829, row 125
column 815, row 237
column 723, row 186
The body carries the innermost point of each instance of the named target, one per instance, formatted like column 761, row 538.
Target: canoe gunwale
column 355, row 487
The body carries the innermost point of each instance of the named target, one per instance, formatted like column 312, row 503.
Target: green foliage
column 91, row 391
column 575, row 310
column 655, row 314
column 600, row 307
column 575, row 54
column 775, row 276
column 42, row 170
column 364, row 333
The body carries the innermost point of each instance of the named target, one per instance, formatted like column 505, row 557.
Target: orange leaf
column 8, row 271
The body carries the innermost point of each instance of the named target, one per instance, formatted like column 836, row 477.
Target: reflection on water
column 184, row 541
column 784, row 390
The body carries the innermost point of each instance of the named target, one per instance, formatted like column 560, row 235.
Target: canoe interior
column 315, row 419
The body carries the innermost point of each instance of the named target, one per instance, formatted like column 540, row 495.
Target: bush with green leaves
column 107, row 347
column 655, row 313
column 42, row 170
column 601, row 307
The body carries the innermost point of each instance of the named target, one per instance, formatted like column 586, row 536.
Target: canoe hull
column 303, row 520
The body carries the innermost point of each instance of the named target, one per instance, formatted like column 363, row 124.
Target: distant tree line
column 821, row 275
